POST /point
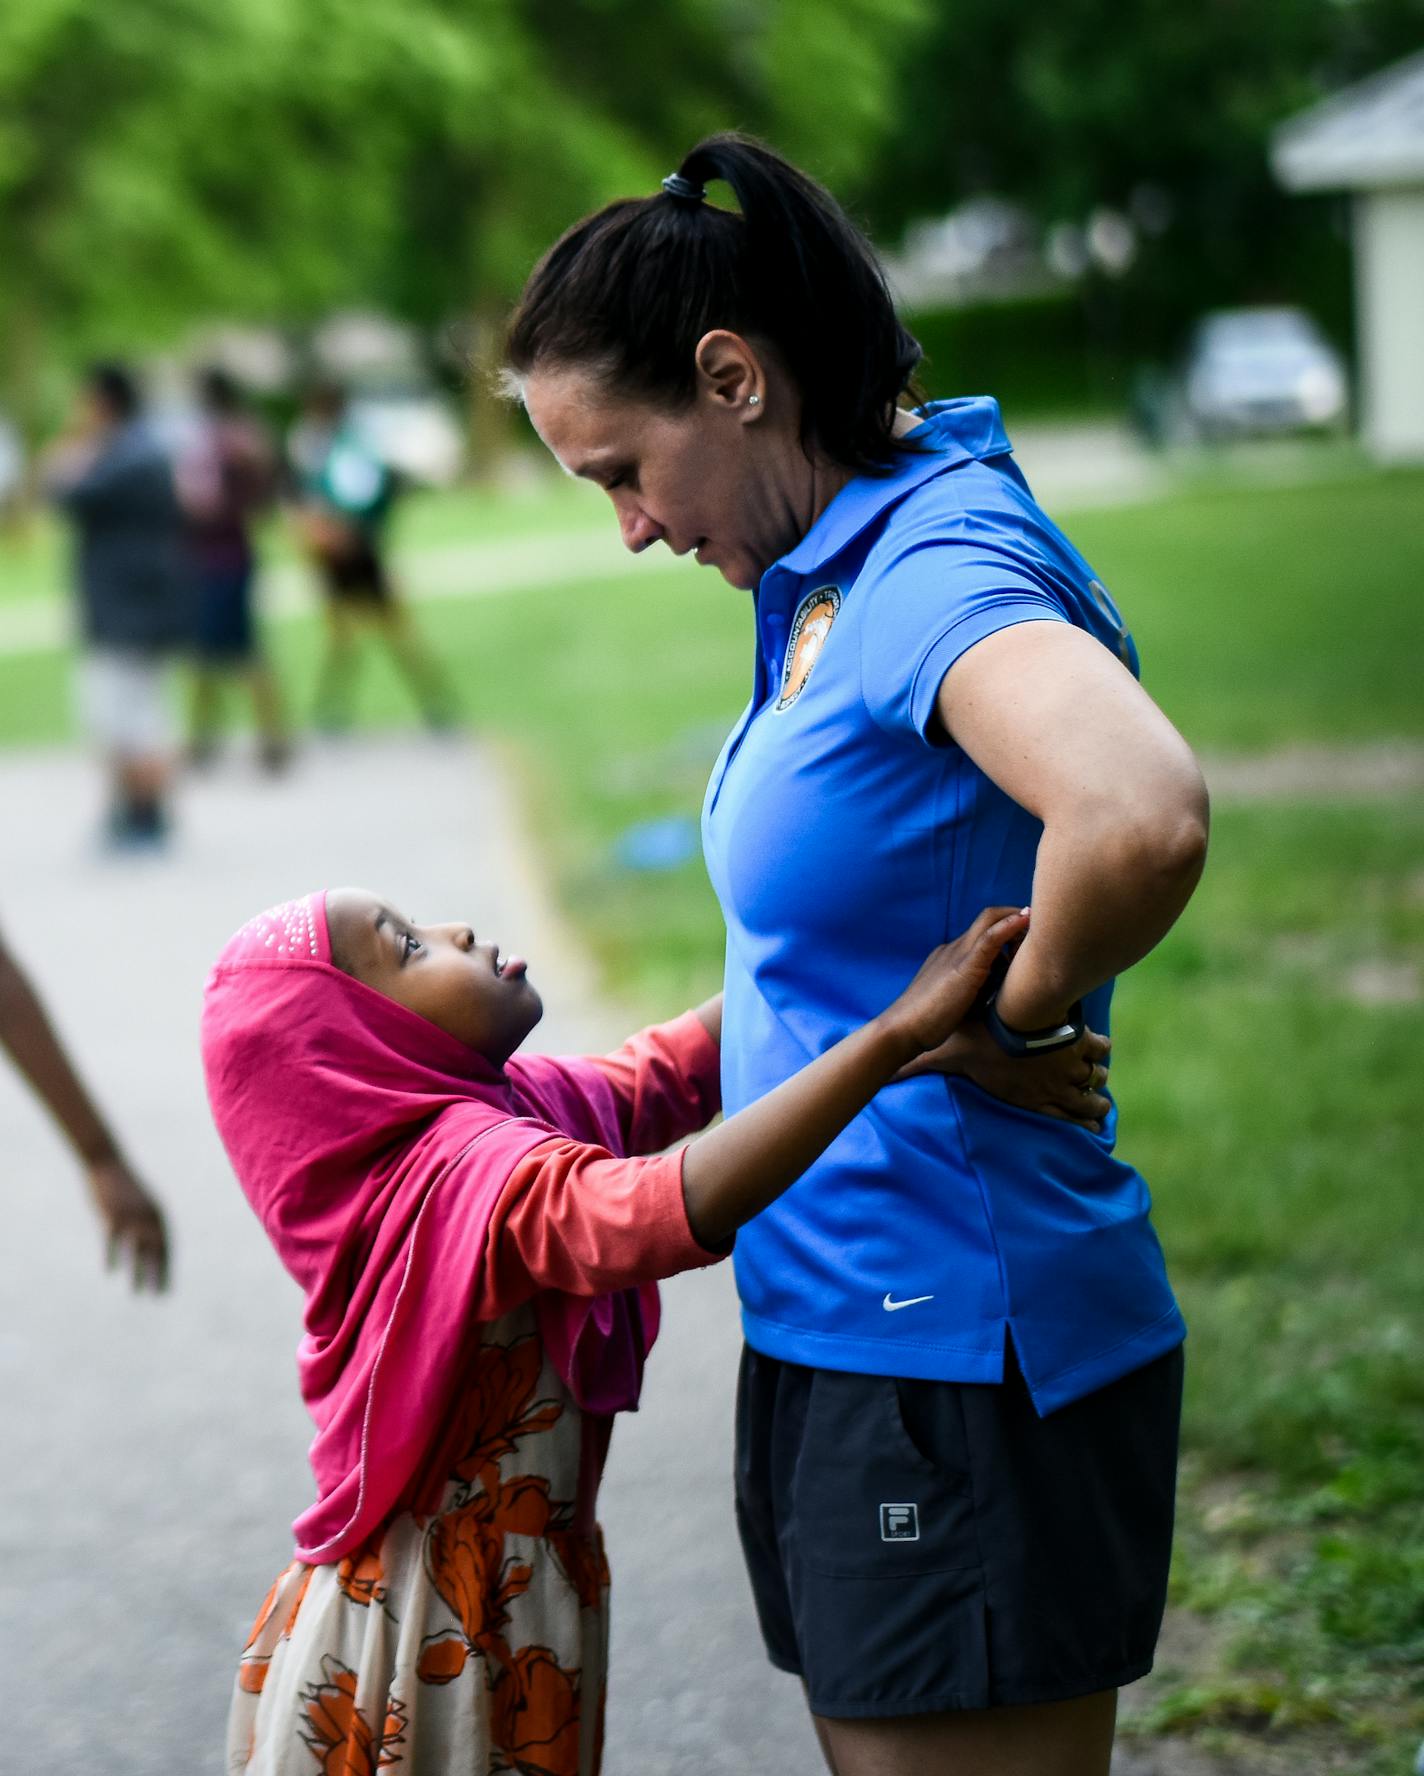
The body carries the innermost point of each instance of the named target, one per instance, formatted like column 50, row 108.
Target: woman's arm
column 1060, row 725
column 132, row 1220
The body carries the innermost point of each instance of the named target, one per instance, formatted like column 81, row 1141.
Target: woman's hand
column 1066, row 1083
column 133, row 1224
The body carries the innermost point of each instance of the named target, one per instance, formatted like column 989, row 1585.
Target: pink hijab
column 373, row 1147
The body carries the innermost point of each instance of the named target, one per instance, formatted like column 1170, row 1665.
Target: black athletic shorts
column 925, row 1545
column 357, row 576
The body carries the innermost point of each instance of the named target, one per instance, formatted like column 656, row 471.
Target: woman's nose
column 639, row 530
column 465, row 937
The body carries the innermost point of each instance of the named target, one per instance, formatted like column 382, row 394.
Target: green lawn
column 1269, row 1055
column 1275, row 1108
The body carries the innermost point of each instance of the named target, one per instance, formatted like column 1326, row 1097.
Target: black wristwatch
column 1023, row 1045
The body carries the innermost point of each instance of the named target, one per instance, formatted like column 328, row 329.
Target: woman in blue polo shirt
column 957, row 1420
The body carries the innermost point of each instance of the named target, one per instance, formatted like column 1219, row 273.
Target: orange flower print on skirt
column 534, row 1716
column 470, row 1638
column 500, row 1407
column 338, row 1734
column 468, row 1567
column 288, row 1590
column 359, row 1576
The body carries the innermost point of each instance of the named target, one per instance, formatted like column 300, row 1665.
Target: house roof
column 1363, row 137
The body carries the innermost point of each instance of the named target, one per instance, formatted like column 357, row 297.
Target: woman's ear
column 729, row 372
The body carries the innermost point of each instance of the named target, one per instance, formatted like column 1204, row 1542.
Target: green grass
column 1270, row 615
column 1276, row 1112
column 1274, row 1106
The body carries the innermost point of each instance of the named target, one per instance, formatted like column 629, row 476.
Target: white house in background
column 1369, row 140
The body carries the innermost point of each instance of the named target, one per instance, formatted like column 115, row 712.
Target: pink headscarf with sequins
column 373, row 1147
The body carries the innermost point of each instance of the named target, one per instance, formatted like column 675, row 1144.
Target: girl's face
column 724, row 478
column 439, row 971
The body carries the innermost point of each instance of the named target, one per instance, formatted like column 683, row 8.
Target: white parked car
column 1255, row 370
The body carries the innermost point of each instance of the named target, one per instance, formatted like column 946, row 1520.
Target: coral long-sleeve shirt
column 598, row 1206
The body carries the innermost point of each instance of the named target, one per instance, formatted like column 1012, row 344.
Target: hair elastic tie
column 676, row 186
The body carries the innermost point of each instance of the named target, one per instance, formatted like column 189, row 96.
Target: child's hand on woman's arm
column 733, row 1173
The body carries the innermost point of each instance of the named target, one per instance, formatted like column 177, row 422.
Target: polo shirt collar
column 965, row 430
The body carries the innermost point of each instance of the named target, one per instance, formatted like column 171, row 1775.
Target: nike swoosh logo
column 895, row 1306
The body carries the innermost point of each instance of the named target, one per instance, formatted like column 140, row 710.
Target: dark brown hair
column 630, row 290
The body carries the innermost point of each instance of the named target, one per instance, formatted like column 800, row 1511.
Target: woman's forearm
column 1062, row 727
column 1106, row 890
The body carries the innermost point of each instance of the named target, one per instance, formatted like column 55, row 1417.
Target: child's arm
column 131, row 1218
column 666, row 1081
column 730, row 1175
column 574, row 1217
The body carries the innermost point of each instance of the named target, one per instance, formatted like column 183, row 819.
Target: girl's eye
column 412, row 943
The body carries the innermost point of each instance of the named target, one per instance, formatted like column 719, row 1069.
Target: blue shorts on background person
column 227, row 478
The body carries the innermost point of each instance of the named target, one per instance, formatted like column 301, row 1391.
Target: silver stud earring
column 753, row 400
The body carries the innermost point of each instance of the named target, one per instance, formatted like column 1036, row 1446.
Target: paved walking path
column 154, row 1452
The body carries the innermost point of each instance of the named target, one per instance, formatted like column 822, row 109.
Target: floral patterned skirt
column 474, row 1640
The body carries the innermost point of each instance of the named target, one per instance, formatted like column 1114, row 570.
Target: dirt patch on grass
column 1318, row 773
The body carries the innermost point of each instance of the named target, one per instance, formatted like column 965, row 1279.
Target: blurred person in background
column 345, row 495
column 12, row 469
column 957, row 1417
column 227, row 476
column 132, row 1220
column 114, row 481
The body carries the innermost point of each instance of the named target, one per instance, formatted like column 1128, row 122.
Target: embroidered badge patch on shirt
column 811, row 626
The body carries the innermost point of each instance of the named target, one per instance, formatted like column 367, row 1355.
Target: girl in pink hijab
column 478, row 1237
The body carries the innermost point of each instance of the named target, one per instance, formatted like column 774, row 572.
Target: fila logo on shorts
column 809, row 629
column 899, row 1523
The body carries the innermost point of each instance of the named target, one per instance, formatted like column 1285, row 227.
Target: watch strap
column 1023, row 1045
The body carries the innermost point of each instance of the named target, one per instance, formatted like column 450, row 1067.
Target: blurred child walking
column 114, row 480
column 345, row 494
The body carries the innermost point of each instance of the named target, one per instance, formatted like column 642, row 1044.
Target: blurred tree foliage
column 267, row 159
column 1162, row 111
column 162, row 160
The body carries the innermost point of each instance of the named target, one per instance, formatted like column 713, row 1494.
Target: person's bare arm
column 710, row 1012
column 132, row 1220
column 731, row 1174
column 1060, row 725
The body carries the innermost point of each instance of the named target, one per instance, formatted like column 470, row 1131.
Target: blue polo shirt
column 845, row 839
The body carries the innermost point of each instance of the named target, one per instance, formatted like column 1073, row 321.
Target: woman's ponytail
column 629, row 291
